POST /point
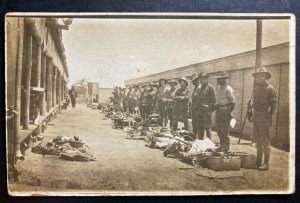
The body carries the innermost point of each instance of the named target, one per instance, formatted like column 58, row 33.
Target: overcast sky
column 110, row 51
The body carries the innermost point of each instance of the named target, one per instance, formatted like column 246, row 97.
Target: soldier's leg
column 170, row 115
column 219, row 125
column 225, row 129
column 185, row 116
column 175, row 120
column 160, row 112
column 265, row 134
column 207, row 124
column 259, row 146
column 200, row 127
column 195, row 123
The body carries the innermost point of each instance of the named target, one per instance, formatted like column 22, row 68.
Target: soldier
column 155, row 98
column 131, row 100
column 264, row 105
column 194, row 104
column 170, row 94
column 142, row 101
column 135, row 99
column 224, row 106
column 73, row 95
column 126, row 98
column 162, row 102
column 181, row 101
column 150, row 94
column 206, row 101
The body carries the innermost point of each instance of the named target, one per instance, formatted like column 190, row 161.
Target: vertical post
column 28, row 67
column 38, row 65
column 18, row 83
column 258, row 43
column 43, row 84
column 59, row 92
column 54, row 87
column 48, row 84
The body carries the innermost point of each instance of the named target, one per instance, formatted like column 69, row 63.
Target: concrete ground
column 128, row 165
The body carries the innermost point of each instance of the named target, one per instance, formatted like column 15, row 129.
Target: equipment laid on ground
column 225, row 163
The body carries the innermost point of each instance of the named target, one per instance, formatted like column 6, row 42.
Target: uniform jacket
column 206, row 97
column 263, row 97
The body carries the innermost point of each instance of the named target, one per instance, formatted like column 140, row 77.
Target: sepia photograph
column 122, row 104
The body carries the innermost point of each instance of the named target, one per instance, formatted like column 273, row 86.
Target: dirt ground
column 128, row 165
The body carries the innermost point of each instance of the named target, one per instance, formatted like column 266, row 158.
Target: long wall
column 240, row 67
column 36, row 75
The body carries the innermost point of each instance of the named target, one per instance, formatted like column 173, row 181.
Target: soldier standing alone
column 224, row 106
column 264, row 105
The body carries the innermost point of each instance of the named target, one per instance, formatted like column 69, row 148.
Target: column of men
column 172, row 102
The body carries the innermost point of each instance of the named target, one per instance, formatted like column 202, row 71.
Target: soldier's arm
column 213, row 99
column 186, row 96
column 231, row 98
column 272, row 100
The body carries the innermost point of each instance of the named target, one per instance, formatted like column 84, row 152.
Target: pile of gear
column 67, row 148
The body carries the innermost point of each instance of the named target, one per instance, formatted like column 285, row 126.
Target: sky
column 110, row 51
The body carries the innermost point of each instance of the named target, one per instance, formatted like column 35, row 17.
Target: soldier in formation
column 162, row 101
column 181, row 102
column 224, row 106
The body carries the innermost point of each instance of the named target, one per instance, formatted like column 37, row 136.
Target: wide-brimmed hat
column 194, row 77
column 221, row 74
column 203, row 75
column 262, row 70
column 162, row 79
column 172, row 81
column 184, row 79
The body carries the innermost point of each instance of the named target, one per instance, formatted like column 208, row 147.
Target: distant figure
column 73, row 94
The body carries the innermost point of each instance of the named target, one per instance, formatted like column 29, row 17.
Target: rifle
column 249, row 116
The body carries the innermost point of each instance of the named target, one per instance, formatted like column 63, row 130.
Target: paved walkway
column 127, row 165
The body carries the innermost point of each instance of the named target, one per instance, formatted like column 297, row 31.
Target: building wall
column 104, row 94
column 240, row 68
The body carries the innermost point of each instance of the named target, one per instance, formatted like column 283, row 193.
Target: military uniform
column 126, row 100
column 142, row 104
column 264, row 98
column 170, row 94
column 149, row 101
column 194, row 106
column 206, row 100
column 162, row 103
column 225, row 99
column 180, row 110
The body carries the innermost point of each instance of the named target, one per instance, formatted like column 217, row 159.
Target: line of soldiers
column 173, row 104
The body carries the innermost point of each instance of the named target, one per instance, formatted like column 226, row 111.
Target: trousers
column 204, row 118
column 180, row 111
column 163, row 114
column 223, row 117
column 262, row 123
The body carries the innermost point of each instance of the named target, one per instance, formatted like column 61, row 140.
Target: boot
column 264, row 167
column 259, row 158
